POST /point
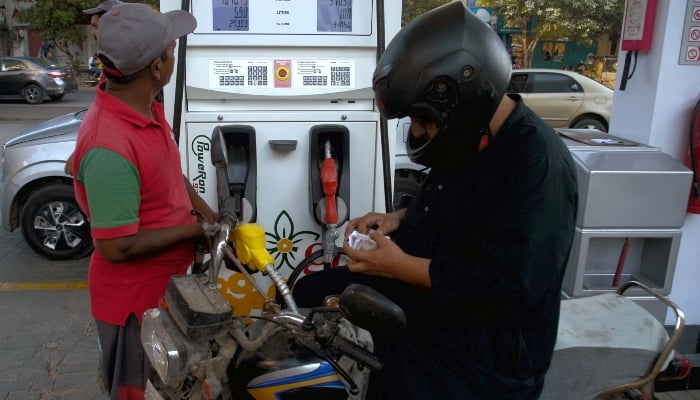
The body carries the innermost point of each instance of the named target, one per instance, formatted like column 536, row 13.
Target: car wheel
column 407, row 183
column 590, row 123
column 56, row 97
column 53, row 225
column 33, row 94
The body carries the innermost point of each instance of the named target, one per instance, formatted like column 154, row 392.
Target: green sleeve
column 112, row 187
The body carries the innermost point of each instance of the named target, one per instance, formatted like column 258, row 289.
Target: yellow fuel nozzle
column 249, row 242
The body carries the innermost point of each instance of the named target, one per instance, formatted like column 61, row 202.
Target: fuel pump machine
column 288, row 84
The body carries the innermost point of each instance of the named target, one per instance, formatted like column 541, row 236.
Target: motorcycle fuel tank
column 284, row 370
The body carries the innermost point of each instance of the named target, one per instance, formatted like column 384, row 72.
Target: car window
column 14, row 65
column 554, row 83
column 45, row 62
column 518, row 83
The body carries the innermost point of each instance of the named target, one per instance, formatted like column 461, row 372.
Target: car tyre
column 53, row 225
column 590, row 123
column 57, row 97
column 33, row 94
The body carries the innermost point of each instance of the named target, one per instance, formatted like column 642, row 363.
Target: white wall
column 656, row 109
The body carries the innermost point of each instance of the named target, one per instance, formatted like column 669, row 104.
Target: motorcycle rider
column 95, row 66
column 128, row 181
column 478, row 256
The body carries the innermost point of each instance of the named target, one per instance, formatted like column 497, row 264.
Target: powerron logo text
column 200, row 148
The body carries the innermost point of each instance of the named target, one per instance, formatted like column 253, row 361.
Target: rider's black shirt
column 498, row 233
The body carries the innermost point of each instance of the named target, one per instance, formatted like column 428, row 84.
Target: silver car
column 34, row 79
column 37, row 196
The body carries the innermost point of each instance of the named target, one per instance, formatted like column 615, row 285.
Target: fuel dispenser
column 288, row 85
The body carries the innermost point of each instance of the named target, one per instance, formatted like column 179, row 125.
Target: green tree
column 58, row 22
column 581, row 21
column 413, row 8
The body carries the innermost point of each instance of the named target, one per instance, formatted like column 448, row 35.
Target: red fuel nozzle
column 329, row 181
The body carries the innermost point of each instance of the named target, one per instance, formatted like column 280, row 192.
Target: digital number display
column 334, row 15
column 231, row 15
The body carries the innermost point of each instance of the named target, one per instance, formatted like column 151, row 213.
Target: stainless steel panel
column 595, row 254
column 631, row 189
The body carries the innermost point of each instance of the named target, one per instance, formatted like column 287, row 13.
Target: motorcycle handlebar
column 357, row 353
column 246, row 240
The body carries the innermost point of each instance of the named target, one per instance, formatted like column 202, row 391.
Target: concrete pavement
column 48, row 340
column 14, row 110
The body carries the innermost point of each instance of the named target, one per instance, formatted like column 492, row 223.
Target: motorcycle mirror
column 371, row 310
column 219, row 154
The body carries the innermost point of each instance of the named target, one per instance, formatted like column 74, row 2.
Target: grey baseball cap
column 132, row 35
column 102, row 7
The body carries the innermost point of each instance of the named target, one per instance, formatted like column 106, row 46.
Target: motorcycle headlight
column 166, row 347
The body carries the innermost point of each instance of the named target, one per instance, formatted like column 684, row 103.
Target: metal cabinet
column 632, row 206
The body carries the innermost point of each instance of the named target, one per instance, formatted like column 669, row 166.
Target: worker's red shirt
column 128, row 177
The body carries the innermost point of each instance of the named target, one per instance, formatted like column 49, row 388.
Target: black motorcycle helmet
column 449, row 63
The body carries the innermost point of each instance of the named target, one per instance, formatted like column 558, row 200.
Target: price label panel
column 298, row 74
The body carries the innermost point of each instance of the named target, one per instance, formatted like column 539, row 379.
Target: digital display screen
column 231, row 15
column 334, row 15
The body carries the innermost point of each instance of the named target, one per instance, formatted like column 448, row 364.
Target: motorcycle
column 200, row 352
column 89, row 78
column 607, row 344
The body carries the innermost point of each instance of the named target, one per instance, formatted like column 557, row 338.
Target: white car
column 564, row 99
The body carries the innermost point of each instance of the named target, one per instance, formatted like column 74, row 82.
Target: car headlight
column 167, row 348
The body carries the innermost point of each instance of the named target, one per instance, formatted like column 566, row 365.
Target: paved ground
column 14, row 110
column 48, row 347
column 48, row 340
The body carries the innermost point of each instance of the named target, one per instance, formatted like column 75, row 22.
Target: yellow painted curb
column 21, row 286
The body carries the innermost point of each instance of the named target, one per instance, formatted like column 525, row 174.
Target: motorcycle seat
column 603, row 341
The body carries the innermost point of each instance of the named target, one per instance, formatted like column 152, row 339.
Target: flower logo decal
column 285, row 241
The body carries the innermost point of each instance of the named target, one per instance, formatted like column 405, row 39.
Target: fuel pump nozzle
column 329, row 181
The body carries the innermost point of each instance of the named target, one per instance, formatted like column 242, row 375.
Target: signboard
column 690, row 47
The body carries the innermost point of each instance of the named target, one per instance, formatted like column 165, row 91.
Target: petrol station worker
column 95, row 13
column 477, row 258
column 128, row 181
column 98, row 11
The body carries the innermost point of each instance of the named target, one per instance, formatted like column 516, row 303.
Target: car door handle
column 574, row 98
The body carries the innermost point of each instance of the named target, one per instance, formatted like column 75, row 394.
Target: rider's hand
column 379, row 260
column 384, row 223
column 389, row 261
